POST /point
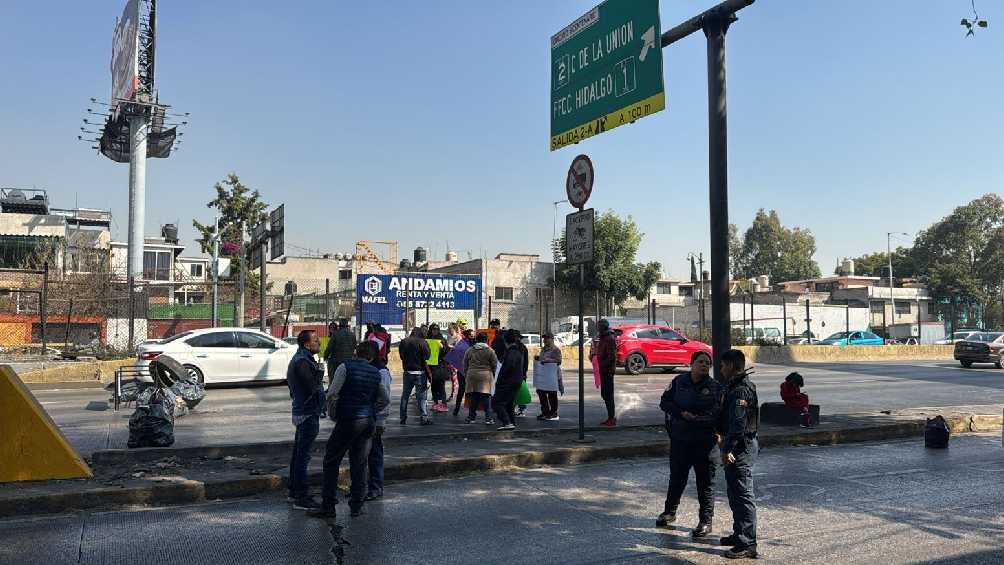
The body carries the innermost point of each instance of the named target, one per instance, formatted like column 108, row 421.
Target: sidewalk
column 164, row 476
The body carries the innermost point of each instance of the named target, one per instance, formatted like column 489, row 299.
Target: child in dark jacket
column 794, row 398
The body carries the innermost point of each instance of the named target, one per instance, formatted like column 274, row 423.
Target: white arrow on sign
column 649, row 38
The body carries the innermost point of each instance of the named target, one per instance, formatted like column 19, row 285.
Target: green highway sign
column 606, row 70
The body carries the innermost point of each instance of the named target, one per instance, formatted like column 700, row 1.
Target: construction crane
column 388, row 263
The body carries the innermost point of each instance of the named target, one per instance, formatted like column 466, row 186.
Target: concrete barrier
column 75, row 372
column 849, row 353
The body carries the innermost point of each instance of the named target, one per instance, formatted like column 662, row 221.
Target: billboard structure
column 137, row 125
column 388, row 299
column 125, row 57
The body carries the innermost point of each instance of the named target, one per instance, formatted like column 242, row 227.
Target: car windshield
column 176, row 337
column 988, row 337
column 838, row 335
column 565, row 327
column 961, row 335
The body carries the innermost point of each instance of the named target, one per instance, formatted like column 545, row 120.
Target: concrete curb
column 184, row 491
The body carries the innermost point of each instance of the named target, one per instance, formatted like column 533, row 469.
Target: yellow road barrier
column 32, row 448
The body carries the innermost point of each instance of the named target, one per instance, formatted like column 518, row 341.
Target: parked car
column 985, row 347
column 761, row 335
column 531, row 340
column 852, row 338
column 219, row 355
column 804, row 338
column 640, row 346
column 956, row 337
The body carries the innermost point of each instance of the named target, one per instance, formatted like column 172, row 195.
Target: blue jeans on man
column 303, row 442
column 739, row 487
column 418, row 383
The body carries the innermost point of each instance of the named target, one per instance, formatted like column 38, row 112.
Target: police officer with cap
column 740, row 418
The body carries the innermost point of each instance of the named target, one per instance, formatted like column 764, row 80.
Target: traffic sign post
column 579, row 251
column 606, row 70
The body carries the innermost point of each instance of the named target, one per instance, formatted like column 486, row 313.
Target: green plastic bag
column 523, row 397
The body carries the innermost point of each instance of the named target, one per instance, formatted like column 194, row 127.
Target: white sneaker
column 552, row 419
column 507, row 427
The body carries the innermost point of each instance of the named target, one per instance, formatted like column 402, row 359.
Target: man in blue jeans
column 354, row 400
column 414, row 353
column 305, row 379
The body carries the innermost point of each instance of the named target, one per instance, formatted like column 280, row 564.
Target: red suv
column 642, row 345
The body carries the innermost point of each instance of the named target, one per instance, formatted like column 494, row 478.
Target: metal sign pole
column 582, row 366
column 262, row 281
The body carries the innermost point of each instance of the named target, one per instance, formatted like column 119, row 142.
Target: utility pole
column 242, row 278
column 892, row 299
column 262, row 282
column 214, row 308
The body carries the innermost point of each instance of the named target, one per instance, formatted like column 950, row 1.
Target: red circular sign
column 579, row 183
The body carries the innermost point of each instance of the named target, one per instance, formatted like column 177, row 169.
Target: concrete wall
column 838, row 354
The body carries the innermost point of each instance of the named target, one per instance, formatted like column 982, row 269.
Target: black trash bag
column 131, row 389
column 189, row 390
column 152, row 424
column 936, row 433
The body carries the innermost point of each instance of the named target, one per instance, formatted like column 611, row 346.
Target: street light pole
column 892, row 300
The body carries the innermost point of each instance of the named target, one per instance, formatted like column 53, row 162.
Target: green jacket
column 341, row 346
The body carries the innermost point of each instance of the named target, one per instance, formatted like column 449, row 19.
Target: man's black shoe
column 356, row 512
column 404, row 421
column 426, row 422
column 702, row 530
column 305, row 503
column 737, row 553
column 729, row 541
column 373, row 496
column 665, row 519
column 325, row 512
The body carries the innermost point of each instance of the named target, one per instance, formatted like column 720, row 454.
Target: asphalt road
column 254, row 414
column 884, row 503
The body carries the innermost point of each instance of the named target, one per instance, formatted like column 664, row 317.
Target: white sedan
column 223, row 355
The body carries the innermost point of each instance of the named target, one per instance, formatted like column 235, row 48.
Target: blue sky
column 427, row 122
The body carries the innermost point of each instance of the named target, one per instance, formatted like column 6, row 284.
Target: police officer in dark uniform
column 740, row 418
column 692, row 404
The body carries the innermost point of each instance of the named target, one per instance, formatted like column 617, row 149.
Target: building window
column 877, row 307
column 196, row 270
column 157, row 265
column 503, row 293
column 686, row 291
column 825, row 287
column 902, row 307
column 345, row 274
column 664, row 288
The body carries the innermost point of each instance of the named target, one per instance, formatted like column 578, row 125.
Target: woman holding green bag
column 523, row 398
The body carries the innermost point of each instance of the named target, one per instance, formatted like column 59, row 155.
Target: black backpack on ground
column 936, row 433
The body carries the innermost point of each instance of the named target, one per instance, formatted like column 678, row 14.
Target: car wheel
column 194, row 371
column 999, row 364
column 635, row 363
column 966, row 364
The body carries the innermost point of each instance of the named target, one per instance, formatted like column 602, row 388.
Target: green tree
column 956, row 257
column 239, row 208
column 876, row 264
column 769, row 248
column 614, row 274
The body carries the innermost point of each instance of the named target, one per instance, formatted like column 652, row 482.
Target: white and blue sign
column 384, row 298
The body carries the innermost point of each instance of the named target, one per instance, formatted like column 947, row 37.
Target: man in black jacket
column 341, row 346
column 414, row 352
column 509, row 380
column 738, row 424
